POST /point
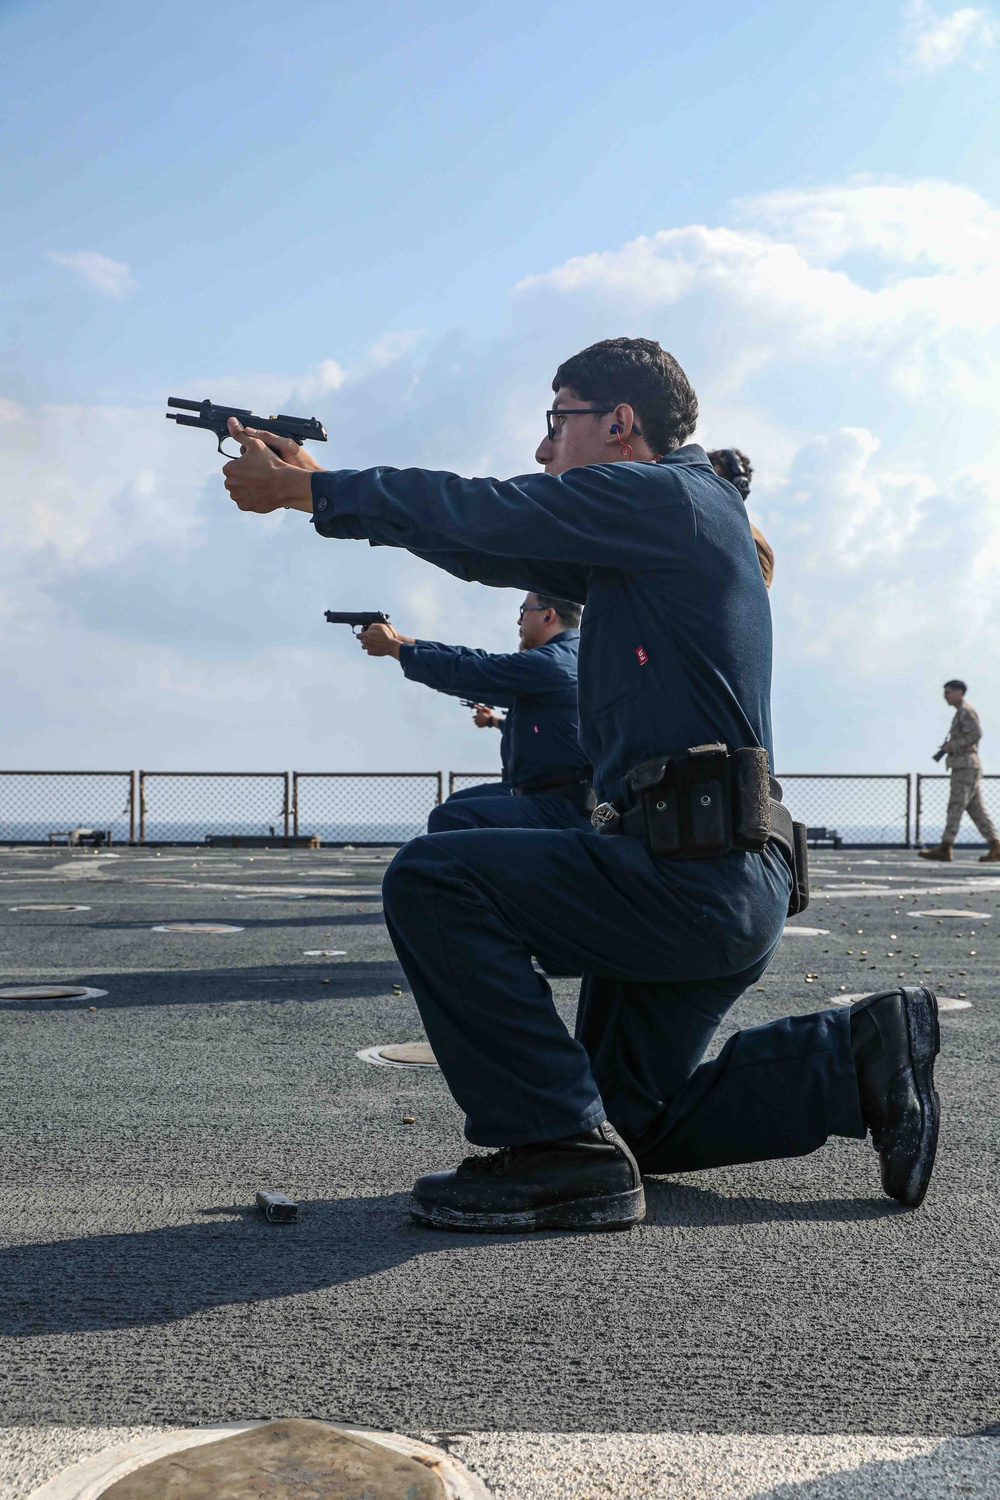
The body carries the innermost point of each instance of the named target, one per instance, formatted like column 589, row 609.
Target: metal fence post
column 142, row 807
column 909, row 792
column 440, row 795
column 131, row 808
column 286, row 808
column 916, row 829
column 295, row 803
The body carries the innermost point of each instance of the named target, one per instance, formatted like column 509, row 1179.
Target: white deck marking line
column 260, row 890
column 834, row 892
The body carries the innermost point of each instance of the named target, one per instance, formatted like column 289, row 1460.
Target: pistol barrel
column 215, row 418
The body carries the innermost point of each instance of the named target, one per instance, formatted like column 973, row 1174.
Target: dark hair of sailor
column 639, row 372
column 569, row 614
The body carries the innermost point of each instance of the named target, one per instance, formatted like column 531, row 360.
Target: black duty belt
column 707, row 803
column 569, row 783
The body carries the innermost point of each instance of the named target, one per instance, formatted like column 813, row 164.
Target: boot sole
column 615, row 1211
column 925, row 1044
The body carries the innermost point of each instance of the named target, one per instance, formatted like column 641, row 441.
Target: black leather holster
column 710, row 802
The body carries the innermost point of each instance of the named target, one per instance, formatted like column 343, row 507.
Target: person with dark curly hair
column 731, row 464
column 674, row 903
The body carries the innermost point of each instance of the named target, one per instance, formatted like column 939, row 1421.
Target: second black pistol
column 358, row 619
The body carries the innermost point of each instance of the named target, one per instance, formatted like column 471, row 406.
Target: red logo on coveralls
column 643, row 658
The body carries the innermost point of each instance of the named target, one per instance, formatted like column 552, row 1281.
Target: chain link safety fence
column 389, row 807
column 364, row 807
column 848, row 811
column 932, row 807
column 185, row 806
column 50, row 807
column 459, row 780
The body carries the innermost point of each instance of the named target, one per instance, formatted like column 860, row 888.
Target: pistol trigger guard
column 223, row 451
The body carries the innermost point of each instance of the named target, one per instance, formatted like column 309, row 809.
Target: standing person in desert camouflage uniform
column 966, row 778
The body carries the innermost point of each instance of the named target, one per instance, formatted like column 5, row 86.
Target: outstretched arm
column 593, row 516
column 463, row 672
column 590, row 516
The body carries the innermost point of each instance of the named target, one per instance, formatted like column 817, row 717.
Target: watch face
column 604, row 815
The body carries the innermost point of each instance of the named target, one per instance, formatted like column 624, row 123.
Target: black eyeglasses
column 572, row 411
column 527, row 609
column 578, row 411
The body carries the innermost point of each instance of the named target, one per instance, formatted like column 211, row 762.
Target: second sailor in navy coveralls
column 546, row 776
column 630, row 519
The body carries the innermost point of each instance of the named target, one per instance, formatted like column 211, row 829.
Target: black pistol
column 357, row 619
column 216, row 419
column 939, row 755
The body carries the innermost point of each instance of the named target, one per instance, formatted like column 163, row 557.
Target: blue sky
column 399, row 218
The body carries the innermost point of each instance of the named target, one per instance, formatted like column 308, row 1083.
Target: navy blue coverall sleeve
column 505, row 531
column 464, row 672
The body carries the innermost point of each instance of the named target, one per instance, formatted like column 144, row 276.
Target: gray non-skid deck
column 137, row 1287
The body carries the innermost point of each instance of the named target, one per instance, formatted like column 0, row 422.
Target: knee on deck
column 405, row 881
column 446, row 817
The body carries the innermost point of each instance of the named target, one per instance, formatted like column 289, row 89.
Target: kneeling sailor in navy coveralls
column 679, row 905
column 546, row 781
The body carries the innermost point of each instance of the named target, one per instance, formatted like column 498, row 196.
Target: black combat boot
column 895, row 1038
column 587, row 1181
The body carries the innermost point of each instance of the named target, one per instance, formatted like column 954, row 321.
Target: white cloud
column 933, row 41
column 917, row 308
column 902, row 224
column 392, row 347
column 869, row 540
column 85, row 487
column 327, row 377
column 112, row 278
column 847, row 337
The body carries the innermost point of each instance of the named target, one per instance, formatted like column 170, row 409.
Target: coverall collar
column 692, row 455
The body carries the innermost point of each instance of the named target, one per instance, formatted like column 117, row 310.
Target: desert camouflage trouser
column 966, row 795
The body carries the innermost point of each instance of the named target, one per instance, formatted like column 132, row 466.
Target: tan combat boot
column 992, row 853
column 939, row 851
